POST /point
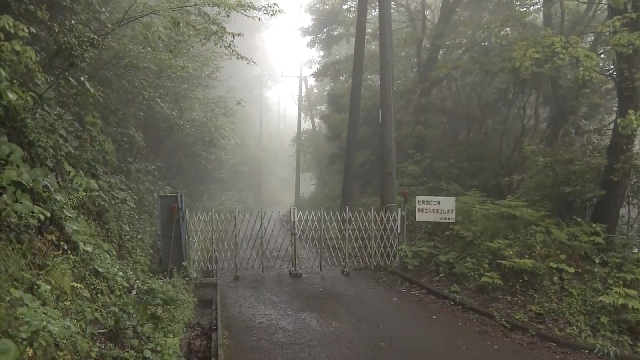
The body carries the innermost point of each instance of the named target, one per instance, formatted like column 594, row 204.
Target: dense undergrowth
column 523, row 257
column 73, row 288
column 92, row 120
column 560, row 276
column 76, row 236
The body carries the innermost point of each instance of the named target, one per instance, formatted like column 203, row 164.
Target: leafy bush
column 70, row 291
column 78, row 177
column 505, row 249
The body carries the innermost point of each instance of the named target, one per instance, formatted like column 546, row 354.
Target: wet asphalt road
column 324, row 315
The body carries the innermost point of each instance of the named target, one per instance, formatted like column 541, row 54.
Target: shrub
column 559, row 270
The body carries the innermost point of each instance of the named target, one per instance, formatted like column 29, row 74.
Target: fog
column 266, row 88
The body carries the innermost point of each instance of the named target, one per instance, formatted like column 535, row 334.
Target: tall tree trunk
column 427, row 83
column 388, row 168
column 616, row 175
column 357, row 74
column 564, row 100
column 558, row 108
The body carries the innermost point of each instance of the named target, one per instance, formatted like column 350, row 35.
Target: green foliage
column 68, row 293
column 8, row 350
column 102, row 105
column 505, row 248
column 561, row 181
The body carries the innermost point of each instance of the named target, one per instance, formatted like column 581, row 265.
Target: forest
column 105, row 104
column 526, row 112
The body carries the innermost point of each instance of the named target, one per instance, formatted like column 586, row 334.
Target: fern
column 520, row 264
column 76, row 199
column 60, row 275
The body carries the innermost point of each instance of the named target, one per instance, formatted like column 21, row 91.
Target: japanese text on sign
column 435, row 209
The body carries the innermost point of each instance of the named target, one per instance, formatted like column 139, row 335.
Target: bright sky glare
column 287, row 50
column 286, row 46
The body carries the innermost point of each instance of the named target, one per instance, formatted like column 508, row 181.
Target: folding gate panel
column 234, row 240
column 294, row 240
column 347, row 239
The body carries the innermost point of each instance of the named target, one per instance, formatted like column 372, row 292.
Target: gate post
column 345, row 271
column 262, row 231
column 321, row 235
column 293, row 215
column 235, row 246
column 172, row 232
column 372, row 248
column 216, row 261
column 397, row 237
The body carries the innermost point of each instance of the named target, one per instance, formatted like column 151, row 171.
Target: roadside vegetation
column 103, row 104
column 526, row 111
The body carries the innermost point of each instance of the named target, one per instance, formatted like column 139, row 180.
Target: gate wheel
column 295, row 273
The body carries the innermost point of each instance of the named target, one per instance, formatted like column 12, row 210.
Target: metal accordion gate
column 294, row 240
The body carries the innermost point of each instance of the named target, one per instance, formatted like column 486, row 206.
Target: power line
column 293, row 98
column 299, row 13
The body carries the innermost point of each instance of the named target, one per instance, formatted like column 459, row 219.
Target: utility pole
column 260, row 186
column 298, row 139
column 387, row 122
column 307, row 94
column 278, row 132
column 357, row 73
column 284, row 138
column 284, row 128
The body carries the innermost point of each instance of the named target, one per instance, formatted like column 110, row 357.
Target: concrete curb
column 219, row 333
column 518, row 326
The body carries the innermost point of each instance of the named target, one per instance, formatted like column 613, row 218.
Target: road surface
column 324, row 315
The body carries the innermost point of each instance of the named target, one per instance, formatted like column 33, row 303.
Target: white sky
column 287, row 50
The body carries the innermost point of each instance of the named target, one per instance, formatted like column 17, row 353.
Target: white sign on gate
column 435, row 209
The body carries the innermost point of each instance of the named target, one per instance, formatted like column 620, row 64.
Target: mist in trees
column 251, row 83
